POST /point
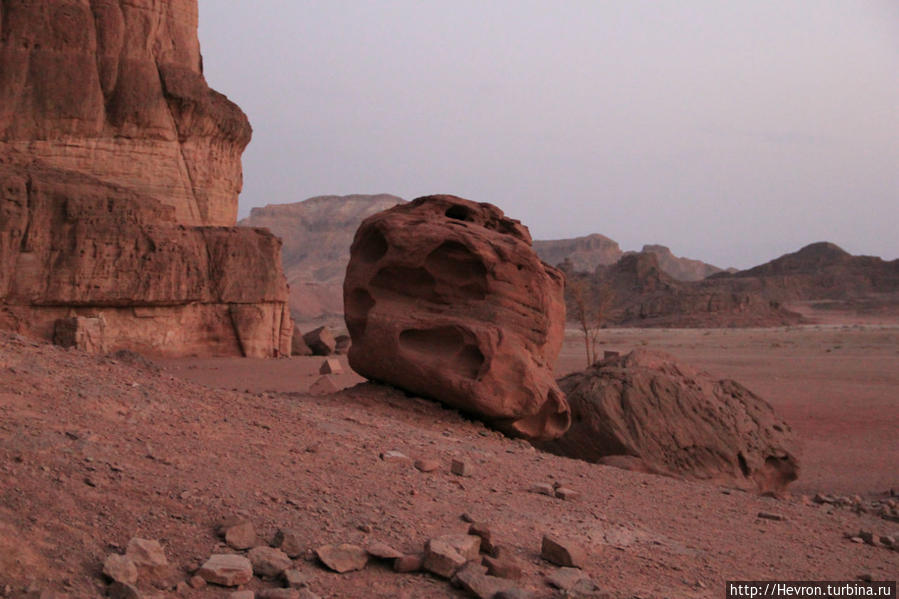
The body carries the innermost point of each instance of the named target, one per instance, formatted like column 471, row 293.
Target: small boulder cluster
column 318, row 342
column 886, row 508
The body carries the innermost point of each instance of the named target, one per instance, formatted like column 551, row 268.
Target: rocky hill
column 584, row 253
column 682, row 269
column 120, row 171
column 644, row 295
column 317, row 234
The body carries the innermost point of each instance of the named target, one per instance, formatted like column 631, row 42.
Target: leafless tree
column 590, row 307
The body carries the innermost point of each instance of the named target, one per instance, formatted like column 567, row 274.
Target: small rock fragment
column 543, row 489
column 121, row 590
column 295, row 579
column 446, row 554
column 462, row 468
column 570, row 579
column 472, row 578
column 407, row 563
column 503, row 567
column 562, row 552
column 479, row 529
column 771, row 516
column 226, row 569
column 342, row 558
column 321, row 341
column 382, row 551
column 394, row 456
column 427, row 465
column 148, row 556
column 239, row 534
column 289, row 542
column 120, row 568
column 278, row 594
column 567, row 494
column 268, row 562
column 242, row 595
column 323, row 385
column 331, row 366
column 196, row 582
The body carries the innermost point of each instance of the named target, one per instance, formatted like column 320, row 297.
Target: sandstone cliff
column 119, row 175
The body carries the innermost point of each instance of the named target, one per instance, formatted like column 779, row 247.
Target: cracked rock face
column 114, row 89
column 119, row 176
column 673, row 420
column 445, row 298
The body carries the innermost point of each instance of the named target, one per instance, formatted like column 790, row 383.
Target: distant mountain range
column 652, row 287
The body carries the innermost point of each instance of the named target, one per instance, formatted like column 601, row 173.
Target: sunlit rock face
column 119, row 176
column 445, row 298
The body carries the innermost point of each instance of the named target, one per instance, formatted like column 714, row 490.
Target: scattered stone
column 289, row 542
column 278, row 594
column 820, row 498
column 483, row 531
column 394, row 456
column 321, row 341
column 473, row 579
column 408, row 563
column 182, row 588
column 242, row 595
column 543, row 489
column 445, row 555
column 562, row 552
column 381, row 550
column 462, row 467
column 196, row 582
column 331, row 366
column 503, row 567
column 427, row 465
column 567, row 494
column 295, row 579
column 148, row 556
column 342, row 558
column 268, row 562
column 771, row 516
column 858, row 540
column 120, row 568
column 238, row 534
column 226, row 569
column 867, row 536
column 466, row 517
column 324, row 385
column 298, row 346
column 571, row 580
column 122, row 590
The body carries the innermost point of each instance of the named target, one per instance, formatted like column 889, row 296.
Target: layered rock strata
column 119, row 175
column 445, row 298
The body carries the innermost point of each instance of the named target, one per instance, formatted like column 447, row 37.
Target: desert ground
column 97, row 450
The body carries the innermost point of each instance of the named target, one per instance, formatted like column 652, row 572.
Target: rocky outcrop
column 584, row 254
column 117, row 164
column 682, row 269
column 317, row 234
column 114, row 89
column 445, row 298
column 676, row 421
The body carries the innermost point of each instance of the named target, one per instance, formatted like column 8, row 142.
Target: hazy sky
column 732, row 131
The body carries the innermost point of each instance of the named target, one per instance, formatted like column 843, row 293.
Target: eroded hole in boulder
column 417, row 283
column 744, row 467
column 463, row 271
column 372, row 246
column 446, row 346
column 358, row 304
column 458, row 212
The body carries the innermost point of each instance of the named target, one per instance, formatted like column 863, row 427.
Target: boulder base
column 445, row 298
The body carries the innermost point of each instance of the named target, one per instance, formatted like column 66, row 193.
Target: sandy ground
column 837, row 385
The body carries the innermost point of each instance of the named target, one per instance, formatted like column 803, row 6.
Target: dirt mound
column 445, row 297
column 678, row 421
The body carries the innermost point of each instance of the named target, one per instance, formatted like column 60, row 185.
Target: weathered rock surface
column 118, row 168
column 226, row 569
column 445, row 298
column 342, row 558
column 677, row 421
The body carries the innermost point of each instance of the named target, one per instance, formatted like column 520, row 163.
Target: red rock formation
column 112, row 150
column 445, row 298
column 674, row 420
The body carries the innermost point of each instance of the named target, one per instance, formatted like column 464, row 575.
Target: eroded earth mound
column 678, row 421
column 119, row 175
column 445, row 297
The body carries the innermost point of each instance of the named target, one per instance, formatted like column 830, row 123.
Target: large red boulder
column 445, row 298
column 673, row 420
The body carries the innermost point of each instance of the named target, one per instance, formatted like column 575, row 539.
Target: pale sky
column 732, row 131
